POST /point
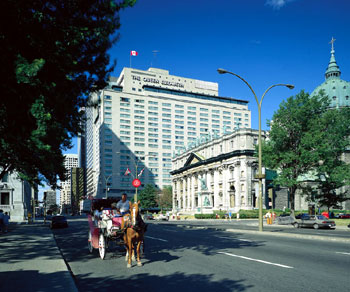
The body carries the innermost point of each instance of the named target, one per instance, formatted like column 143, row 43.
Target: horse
column 134, row 234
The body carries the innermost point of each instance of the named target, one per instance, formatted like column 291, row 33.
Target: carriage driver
column 123, row 206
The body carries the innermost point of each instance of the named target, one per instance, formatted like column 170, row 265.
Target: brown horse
column 133, row 236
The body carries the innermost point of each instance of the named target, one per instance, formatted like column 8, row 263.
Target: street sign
column 136, row 182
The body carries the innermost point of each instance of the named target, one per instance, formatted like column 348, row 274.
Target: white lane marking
column 241, row 239
column 256, row 260
column 156, row 238
column 347, row 253
column 169, row 230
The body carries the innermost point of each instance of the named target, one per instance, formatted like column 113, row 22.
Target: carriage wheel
column 90, row 247
column 102, row 246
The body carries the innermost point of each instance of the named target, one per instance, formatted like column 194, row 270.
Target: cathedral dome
column 337, row 89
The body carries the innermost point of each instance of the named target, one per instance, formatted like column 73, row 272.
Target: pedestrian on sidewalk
column 6, row 222
column 1, row 221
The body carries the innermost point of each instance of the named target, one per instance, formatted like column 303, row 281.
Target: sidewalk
column 269, row 230
column 31, row 261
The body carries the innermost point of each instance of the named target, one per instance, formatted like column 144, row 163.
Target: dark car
column 148, row 216
column 58, row 221
column 344, row 216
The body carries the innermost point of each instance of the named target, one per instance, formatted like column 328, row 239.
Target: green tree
column 53, row 54
column 165, row 197
column 148, row 197
column 333, row 172
column 293, row 144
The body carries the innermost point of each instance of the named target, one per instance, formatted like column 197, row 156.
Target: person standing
column 1, row 221
column 6, row 221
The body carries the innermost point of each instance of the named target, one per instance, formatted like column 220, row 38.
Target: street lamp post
column 136, row 164
column 106, row 181
column 260, row 175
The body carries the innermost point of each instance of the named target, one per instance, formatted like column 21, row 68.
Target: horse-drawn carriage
column 106, row 226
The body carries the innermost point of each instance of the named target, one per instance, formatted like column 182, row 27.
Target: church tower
column 337, row 89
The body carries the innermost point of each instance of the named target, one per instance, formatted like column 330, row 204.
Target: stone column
column 189, row 195
column 178, row 193
column 184, row 193
column 238, row 184
column 225, row 187
column 216, row 187
column 175, row 191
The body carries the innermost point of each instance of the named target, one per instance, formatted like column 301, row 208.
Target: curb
column 73, row 279
column 276, row 234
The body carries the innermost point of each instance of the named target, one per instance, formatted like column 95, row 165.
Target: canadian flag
column 141, row 172
column 127, row 171
column 133, row 53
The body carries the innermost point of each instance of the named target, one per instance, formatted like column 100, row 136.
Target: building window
column 125, row 99
column 5, row 198
column 5, row 177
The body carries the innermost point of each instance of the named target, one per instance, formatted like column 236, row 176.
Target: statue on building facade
column 203, row 184
column 206, row 202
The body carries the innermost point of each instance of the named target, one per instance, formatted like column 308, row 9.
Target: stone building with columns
column 217, row 174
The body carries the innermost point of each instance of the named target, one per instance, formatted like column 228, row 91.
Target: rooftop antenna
column 155, row 52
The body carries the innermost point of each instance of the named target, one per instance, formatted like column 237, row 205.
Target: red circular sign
column 136, row 182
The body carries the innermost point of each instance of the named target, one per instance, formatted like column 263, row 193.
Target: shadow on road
column 174, row 282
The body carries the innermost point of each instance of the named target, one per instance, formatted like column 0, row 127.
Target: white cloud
column 277, row 4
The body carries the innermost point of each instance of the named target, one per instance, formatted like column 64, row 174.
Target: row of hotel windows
column 126, row 102
column 109, row 120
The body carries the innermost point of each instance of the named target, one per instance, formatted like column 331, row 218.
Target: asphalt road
column 184, row 259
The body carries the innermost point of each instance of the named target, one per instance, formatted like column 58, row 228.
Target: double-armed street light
column 260, row 174
column 106, row 182
column 136, row 161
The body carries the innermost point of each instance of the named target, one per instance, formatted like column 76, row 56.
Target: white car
column 162, row 217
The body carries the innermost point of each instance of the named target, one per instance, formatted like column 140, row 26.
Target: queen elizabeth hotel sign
column 157, row 81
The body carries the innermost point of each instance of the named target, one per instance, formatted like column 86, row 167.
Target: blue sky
column 264, row 41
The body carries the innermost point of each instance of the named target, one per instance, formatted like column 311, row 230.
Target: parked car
column 58, row 221
column 315, row 221
column 148, row 217
column 344, row 216
column 300, row 215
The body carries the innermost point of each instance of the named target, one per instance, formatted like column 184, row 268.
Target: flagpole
column 130, row 60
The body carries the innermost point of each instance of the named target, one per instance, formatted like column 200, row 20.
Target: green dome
column 337, row 89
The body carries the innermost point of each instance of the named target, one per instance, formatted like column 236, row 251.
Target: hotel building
column 71, row 161
column 143, row 119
